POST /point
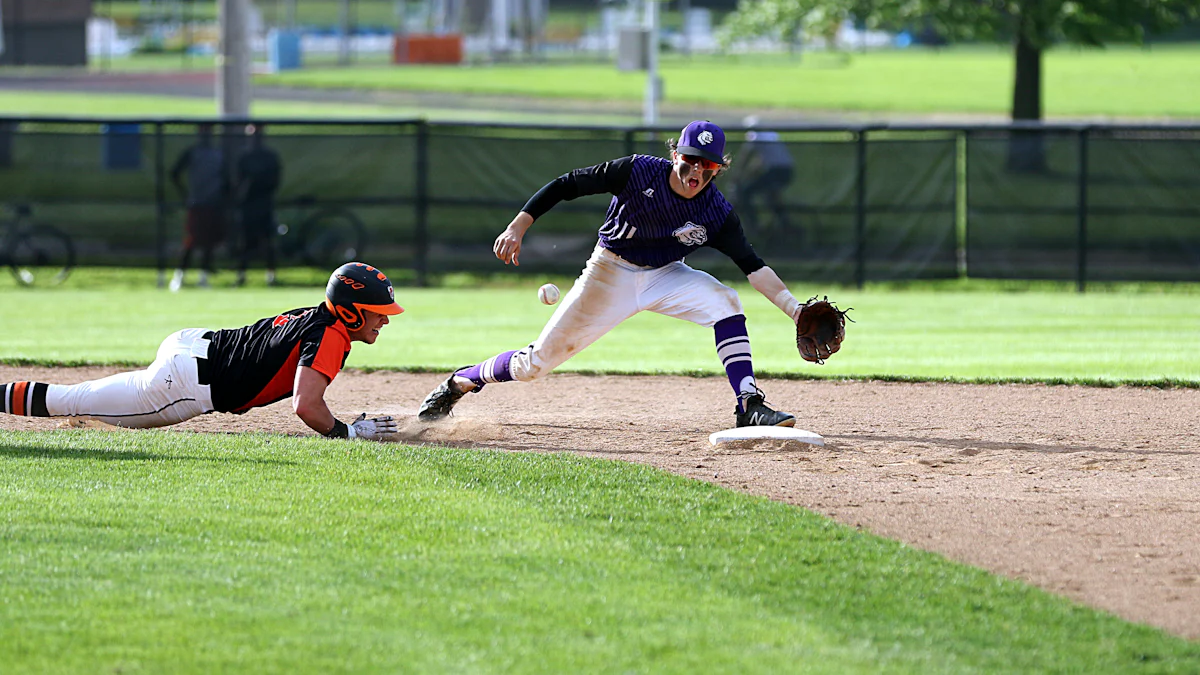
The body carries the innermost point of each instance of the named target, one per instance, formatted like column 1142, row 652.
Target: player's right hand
column 374, row 429
column 508, row 244
column 508, row 247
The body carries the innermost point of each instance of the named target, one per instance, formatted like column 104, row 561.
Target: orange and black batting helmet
column 356, row 286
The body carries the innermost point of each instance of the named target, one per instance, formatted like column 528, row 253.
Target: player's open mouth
column 693, row 183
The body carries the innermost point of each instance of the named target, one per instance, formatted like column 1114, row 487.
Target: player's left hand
column 820, row 329
column 374, row 429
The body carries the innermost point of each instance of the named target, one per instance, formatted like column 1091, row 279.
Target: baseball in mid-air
column 548, row 294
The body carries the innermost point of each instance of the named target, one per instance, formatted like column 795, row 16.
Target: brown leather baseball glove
column 820, row 329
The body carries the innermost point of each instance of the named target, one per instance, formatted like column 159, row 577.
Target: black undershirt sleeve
column 610, row 177
column 731, row 241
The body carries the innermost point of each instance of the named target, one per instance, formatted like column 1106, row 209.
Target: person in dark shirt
column 206, row 196
column 764, row 171
column 259, row 173
column 297, row 353
column 661, row 211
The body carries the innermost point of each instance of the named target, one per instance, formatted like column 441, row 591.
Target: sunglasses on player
column 706, row 164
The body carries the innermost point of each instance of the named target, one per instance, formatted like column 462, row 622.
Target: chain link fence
column 847, row 204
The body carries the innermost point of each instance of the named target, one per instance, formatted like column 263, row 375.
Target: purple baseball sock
column 733, row 347
column 494, row 369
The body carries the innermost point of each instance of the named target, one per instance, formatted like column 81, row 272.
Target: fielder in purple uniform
column 661, row 211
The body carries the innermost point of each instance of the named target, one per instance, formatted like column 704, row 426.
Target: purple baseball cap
column 702, row 139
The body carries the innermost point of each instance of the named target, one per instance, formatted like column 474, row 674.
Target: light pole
column 653, row 81
column 233, row 61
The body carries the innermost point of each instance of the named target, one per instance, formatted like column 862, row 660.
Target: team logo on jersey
column 691, row 234
column 705, row 137
column 283, row 319
column 649, row 192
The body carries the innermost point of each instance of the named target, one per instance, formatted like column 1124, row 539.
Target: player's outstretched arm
column 508, row 244
column 609, row 177
column 820, row 325
column 765, row 281
column 308, row 400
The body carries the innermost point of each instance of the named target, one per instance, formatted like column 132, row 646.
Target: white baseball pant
column 165, row 393
column 609, row 291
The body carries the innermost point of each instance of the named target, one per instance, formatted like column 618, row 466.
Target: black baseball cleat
column 438, row 404
column 759, row 415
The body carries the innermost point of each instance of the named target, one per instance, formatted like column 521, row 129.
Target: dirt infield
column 1090, row 493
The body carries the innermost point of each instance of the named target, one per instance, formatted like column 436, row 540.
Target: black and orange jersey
column 256, row 365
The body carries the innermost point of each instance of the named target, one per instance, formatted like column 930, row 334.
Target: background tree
column 1032, row 25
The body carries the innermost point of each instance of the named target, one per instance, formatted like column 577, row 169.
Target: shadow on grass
column 15, row 452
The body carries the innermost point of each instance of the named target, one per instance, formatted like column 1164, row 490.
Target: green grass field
column 1155, row 83
column 117, row 105
column 1049, row 336
column 158, row 551
column 149, row 552
column 314, row 13
column 162, row 552
column 73, row 104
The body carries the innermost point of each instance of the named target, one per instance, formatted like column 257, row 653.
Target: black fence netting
column 842, row 204
column 910, row 206
column 1022, row 223
column 1143, row 206
column 480, row 177
column 1100, row 204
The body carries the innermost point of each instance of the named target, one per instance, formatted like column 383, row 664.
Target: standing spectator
column 206, row 196
column 258, row 175
column 765, row 169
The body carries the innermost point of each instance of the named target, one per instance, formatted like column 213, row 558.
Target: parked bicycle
column 324, row 238
column 35, row 253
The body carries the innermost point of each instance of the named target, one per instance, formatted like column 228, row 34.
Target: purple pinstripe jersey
column 648, row 224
